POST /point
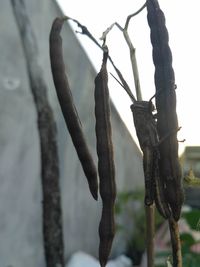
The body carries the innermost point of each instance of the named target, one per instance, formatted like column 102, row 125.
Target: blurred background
column 21, row 242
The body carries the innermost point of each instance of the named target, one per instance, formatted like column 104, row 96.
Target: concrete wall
column 20, row 185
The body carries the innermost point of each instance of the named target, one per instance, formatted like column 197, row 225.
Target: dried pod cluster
column 145, row 126
column 68, row 108
column 106, row 166
column 167, row 123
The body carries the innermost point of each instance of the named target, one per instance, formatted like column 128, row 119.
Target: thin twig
column 134, row 65
column 133, row 15
column 86, row 32
column 131, row 49
column 132, row 53
column 52, row 214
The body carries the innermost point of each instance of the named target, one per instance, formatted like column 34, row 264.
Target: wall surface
column 21, row 242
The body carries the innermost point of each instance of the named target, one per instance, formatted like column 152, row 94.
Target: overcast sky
column 182, row 20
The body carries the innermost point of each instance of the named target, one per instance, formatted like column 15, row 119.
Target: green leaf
column 163, row 253
column 187, row 241
column 192, row 218
column 191, row 259
column 119, row 228
column 118, row 208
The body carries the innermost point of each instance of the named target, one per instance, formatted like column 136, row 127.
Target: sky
column 182, row 21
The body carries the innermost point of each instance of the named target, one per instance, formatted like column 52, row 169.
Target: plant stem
column 150, row 233
column 134, row 65
column 86, row 32
column 176, row 243
column 52, row 214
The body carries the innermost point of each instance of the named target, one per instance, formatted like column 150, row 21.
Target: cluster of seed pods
column 106, row 167
column 167, row 123
column 146, row 131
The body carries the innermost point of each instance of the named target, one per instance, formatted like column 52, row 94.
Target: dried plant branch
column 132, row 57
column 86, row 32
column 132, row 53
column 176, row 243
column 150, row 234
column 133, row 15
column 131, row 49
column 52, row 214
column 134, row 65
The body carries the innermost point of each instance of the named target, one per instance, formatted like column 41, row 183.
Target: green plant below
column 190, row 257
column 131, row 204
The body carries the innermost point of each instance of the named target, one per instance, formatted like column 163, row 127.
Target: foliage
column 189, row 256
column 131, row 204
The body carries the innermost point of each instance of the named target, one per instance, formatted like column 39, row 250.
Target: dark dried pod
column 160, row 198
column 167, row 123
column 106, row 166
column 68, row 108
column 147, row 136
column 145, row 126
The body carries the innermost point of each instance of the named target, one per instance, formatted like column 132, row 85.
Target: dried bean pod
column 68, row 108
column 147, row 136
column 167, row 122
column 160, row 199
column 106, row 166
column 145, row 125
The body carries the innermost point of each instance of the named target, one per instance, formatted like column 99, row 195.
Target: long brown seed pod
column 106, row 166
column 167, row 122
column 68, row 108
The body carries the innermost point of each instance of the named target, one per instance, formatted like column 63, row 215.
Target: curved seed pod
column 68, row 108
column 160, row 199
column 167, row 122
column 106, row 166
